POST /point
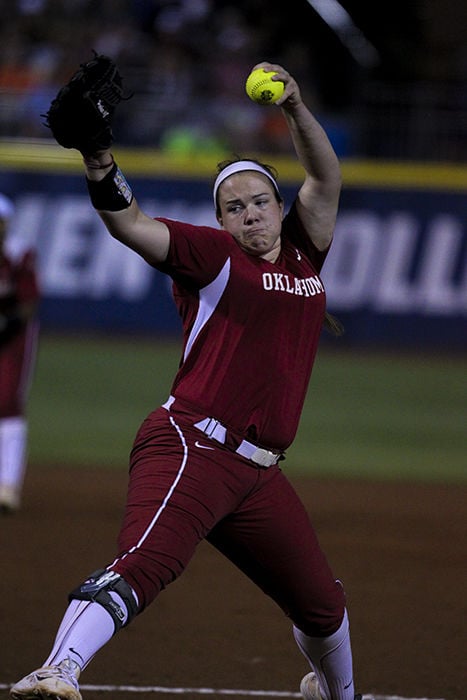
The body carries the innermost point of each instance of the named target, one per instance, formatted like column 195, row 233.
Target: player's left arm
column 318, row 197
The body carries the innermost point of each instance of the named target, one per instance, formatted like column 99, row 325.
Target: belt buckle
column 259, row 455
column 265, row 458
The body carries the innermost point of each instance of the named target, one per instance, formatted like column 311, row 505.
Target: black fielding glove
column 80, row 116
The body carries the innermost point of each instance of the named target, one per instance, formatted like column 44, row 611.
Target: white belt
column 216, row 431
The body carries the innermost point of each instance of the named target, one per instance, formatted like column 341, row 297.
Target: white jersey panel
column 209, row 298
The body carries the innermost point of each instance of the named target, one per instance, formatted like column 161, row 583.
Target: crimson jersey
column 18, row 281
column 250, row 328
column 18, row 285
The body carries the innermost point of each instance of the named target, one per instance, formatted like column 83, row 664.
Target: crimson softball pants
column 184, row 488
column 17, row 360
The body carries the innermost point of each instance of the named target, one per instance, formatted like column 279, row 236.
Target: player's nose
column 251, row 212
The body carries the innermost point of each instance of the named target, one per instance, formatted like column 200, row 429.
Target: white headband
column 238, row 167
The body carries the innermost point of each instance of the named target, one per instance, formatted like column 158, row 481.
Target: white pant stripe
column 166, row 499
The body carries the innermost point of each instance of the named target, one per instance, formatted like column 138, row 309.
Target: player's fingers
column 273, row 67
column 291, row 91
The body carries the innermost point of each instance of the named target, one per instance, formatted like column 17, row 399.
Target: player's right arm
column 318, row 197
column 131, row 226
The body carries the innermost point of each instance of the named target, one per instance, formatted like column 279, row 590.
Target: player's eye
column 234, row 208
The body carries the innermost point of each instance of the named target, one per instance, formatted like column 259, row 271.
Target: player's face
column 251, row 213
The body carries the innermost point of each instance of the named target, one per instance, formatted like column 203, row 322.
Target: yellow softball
column 261, row 89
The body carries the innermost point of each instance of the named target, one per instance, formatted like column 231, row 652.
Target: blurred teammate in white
column 19, row 297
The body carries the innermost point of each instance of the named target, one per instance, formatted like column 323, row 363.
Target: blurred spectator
column 179, row 53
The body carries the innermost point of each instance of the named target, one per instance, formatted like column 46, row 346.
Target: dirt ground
column 398, row 547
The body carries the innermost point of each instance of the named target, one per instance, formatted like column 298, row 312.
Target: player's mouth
column 255, row 232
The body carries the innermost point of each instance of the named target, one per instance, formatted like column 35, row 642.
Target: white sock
column 13, row 437
column 85, row 628
column 331, row 660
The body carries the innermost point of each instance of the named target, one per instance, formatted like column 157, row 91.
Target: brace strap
column 96, row 589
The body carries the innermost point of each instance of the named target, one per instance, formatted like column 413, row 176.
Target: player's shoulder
column 195, row 231
column 296, row 238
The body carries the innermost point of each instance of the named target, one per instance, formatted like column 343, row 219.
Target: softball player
column 206, row 464
column 19, row 296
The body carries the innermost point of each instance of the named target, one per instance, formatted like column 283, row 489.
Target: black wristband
column 112, row 193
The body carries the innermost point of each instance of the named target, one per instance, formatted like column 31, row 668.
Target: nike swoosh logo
column 348, row 685
column 75, row 652
column 203, row 447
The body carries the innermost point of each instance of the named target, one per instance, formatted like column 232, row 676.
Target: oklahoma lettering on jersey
column 250, row 328
column 284, row 283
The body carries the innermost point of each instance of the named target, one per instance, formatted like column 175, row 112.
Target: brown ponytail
column 333, row 325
